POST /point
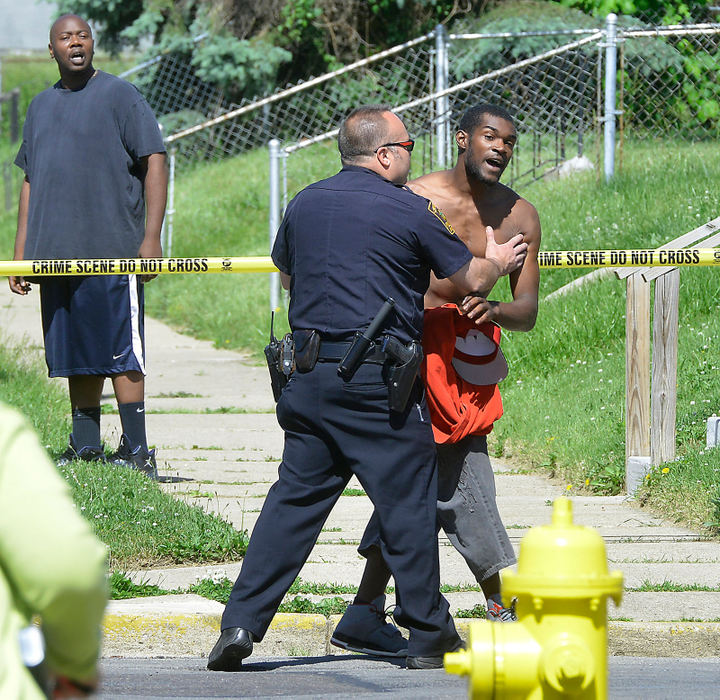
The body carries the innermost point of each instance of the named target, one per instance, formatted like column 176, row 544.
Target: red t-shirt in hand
column 463, row 363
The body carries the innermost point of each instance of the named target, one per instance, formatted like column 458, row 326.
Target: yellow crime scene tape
column 547, row 259
column 653, row 257
column 139, row 266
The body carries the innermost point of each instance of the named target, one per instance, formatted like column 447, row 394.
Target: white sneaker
column 364, row 629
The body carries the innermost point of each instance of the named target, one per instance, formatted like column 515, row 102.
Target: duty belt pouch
column 307, row 347
column 402, row 374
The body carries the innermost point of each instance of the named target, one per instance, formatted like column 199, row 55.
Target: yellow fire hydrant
column 558, row 646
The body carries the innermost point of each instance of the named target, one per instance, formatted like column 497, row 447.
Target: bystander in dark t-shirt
column 81, row 153
column 352, row 241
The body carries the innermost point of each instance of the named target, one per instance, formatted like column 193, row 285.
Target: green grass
column 300, row 586
column 564, row 397
column 353, row 492
column 478, row 610
column 326, row 607
column 142, row 525
column 670, row 587
column 122, row 587
column 24, row 385
column 145, row 527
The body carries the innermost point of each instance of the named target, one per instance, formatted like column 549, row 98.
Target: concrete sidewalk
column 232, row 459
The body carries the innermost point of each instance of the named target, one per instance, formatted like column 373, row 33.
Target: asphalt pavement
column 629, row 678
column 210, row 414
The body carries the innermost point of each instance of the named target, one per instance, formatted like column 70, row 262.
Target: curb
column 192, row 628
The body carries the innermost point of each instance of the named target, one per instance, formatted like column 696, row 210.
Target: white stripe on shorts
column 137, row 347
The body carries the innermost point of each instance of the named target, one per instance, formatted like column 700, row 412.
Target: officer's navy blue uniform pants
column 334, row 429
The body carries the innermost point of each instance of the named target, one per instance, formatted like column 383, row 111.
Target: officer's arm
column 285, row 280
column 479, row 275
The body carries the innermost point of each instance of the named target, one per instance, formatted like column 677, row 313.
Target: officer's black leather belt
column 335, row 351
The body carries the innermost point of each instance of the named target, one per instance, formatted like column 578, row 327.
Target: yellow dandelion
column 587, row 482
column 568, row 487
column 666, row 470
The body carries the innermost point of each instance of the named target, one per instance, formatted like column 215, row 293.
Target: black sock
column 86, row 427
column 132, row 417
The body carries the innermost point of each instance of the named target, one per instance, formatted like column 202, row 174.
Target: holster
column 406, row 361
column 307, row 347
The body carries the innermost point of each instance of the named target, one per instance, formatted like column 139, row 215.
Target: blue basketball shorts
column 93, row 325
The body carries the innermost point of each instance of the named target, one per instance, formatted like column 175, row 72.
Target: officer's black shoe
column 86, row 454
column 234, row 645
column 428, row 662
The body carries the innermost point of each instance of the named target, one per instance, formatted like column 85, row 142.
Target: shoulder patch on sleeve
column 439, row 215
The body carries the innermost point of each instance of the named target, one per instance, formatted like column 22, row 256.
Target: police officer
column 345, row 245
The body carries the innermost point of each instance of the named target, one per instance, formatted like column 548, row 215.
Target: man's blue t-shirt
column 81, row 153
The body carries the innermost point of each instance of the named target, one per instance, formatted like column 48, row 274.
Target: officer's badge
column 443, row 219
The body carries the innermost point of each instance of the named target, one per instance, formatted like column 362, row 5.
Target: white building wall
column 24, row 25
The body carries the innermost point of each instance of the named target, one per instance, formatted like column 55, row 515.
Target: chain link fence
column 669, row 83
column 299, row 111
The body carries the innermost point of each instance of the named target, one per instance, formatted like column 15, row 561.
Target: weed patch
column 478, row 610
column 353, row 492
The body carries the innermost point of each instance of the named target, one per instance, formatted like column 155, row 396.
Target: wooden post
column 664, row 367
column 637, row 368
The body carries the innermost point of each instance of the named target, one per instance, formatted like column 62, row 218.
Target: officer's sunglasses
column 407, row 145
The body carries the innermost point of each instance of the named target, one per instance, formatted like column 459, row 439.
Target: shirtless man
column 473, row 200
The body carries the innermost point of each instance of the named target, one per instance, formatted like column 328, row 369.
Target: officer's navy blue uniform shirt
column 352, row 241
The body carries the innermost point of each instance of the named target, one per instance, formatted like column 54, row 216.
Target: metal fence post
column 8, row 185
column 610, row 90
column 274, row 218
column 170, row 205
column 441, row 103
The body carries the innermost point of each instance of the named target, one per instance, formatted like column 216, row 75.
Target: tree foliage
column 251, row 47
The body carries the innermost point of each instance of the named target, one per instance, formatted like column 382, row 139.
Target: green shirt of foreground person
column 51, row 566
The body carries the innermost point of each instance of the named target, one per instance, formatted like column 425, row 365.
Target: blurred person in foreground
column 462, row 368
column 52, row 573
column 94, row 162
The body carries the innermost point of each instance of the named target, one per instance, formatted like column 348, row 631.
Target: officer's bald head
column 362, row 131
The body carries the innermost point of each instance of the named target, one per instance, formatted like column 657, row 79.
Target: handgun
column 362, row 341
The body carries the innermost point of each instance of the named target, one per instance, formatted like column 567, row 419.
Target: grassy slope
column 564, row 398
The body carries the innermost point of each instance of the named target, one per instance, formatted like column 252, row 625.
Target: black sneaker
column 138, row 459
column 365, row 629
column 86, row 454
column 429, row 662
